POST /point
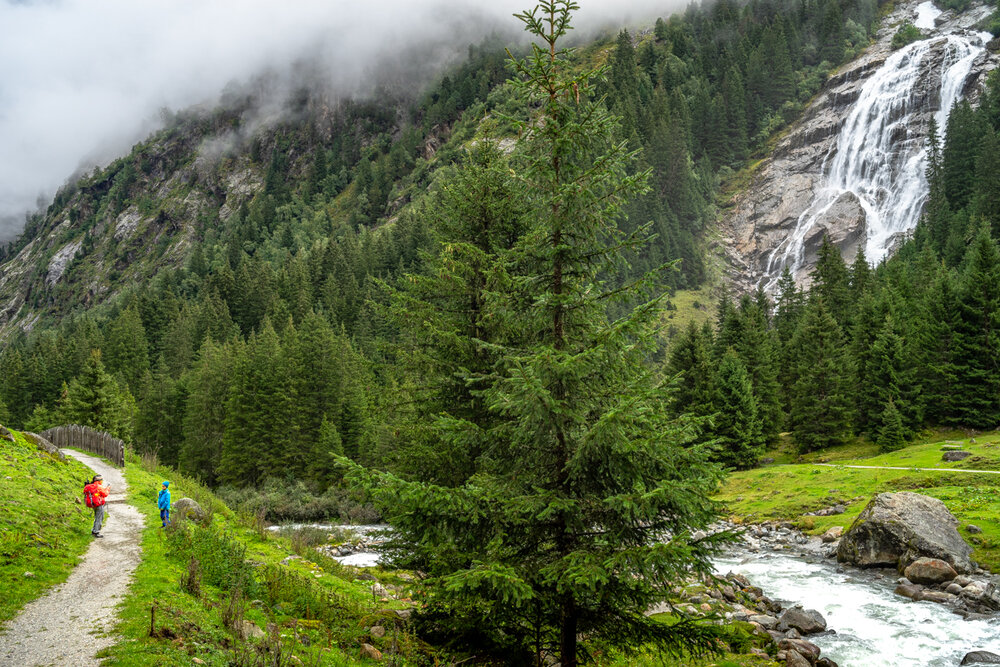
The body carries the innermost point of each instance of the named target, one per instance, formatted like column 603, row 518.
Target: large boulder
column 6, row 435
column 981, row 658
column 44, row 445
column 806, row 621
column 955, row 456
column 929, row 571
column 896, row 529
column 185, row 508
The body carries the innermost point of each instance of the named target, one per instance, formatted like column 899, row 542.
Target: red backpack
column 88, row 495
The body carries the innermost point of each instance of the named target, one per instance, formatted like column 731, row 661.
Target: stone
column 929, row 571
column 806, row 649
column 250, row 630
column 955, row 456
column 825, row 662
column 908, row 591
column 794, row 659
column 6, row 435
column 981, row 658
column 29, row 575
column 833, row 534
column 963, row 580
column 377, row 631
column 185, row 508
column 954, row 589
column 198, row 661
column 935, row 596
column 379, row 590
column 974, row 530
column 896, row 529
column 44, row 445
column 370, row 652
column 806, row 621
column 765, row 621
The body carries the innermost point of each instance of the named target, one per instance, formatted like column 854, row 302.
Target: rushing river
column 873, row 625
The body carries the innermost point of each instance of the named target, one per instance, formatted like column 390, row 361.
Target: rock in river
column 929, row 571
column 896, row 529
column 806, row 621
column 981, row 658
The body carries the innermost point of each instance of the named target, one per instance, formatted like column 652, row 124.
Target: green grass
column 787, row 491
column 313, row 598
column 43, row 529
column 686, row 306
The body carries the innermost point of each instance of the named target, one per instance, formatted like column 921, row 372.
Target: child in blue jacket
column 163, row 502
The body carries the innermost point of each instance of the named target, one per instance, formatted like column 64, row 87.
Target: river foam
column 873, row 625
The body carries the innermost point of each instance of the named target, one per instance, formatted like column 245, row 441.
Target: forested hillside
column 233, row 276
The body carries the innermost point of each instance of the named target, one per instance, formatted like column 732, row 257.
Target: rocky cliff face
column 803, row 192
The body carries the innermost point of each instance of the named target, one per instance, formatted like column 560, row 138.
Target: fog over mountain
column 83, row 80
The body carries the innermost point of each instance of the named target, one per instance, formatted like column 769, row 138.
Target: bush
column 280, row 500
column 907, row 34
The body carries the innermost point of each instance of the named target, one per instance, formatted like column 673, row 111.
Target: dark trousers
column 98, row 519
column 164, row 517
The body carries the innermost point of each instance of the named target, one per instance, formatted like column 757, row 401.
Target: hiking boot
column 97, row 535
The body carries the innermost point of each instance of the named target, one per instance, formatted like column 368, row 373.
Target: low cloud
column 83, row 80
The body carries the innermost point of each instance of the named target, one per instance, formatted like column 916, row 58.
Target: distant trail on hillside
column 984, row 472
column 73, row 621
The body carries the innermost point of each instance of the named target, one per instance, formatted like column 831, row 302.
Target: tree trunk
column 567, row 638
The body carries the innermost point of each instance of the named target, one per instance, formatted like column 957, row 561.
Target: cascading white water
column 873, row 626
column 878, row 155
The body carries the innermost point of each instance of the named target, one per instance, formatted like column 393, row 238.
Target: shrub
column 907, row 34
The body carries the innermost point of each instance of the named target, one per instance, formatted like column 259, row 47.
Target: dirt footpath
column 72, row 622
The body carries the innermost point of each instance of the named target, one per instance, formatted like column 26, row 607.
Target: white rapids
column 873, row 625
column 878, row 157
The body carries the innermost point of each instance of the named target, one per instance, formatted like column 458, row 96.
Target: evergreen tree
column 831, row 282
column 205, row 412
column 94, row 399
column 691, row 360
column 587, row 470
column 986, row 196
column 821, row 410
column 4, row 413
column 739, row 442
column 962, row 142
column 976, row 342
column 891, row 434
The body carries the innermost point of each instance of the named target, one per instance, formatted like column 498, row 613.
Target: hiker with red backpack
column 94, row 495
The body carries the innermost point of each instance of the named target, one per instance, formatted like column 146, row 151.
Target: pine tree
column 821, row 410
column 976, row 343
column 891, row 434
column 737, row 428
column 555, row 538
column 831, row 282
column 94, row 399
column 691, row 360
column 962, row 143
column 4, row 413
column 125, row 351
column 986, row 196
column 208, row 385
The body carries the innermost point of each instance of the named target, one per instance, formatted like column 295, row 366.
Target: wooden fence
column 81, row 437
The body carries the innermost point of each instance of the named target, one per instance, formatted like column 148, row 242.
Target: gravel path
column 70, row 624
column 983, row 472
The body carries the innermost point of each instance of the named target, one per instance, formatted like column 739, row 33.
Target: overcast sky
column 83, row 80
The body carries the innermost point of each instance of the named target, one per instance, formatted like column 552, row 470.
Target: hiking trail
column 72, row 622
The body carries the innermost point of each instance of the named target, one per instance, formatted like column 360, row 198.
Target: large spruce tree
column 582, row 518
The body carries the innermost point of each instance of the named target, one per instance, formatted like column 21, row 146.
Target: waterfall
column 880, row 154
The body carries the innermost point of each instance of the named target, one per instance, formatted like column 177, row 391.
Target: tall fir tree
column 96, row 400
column 976, row 342
column 587, row 470
column 739, row 441
column 821, row 406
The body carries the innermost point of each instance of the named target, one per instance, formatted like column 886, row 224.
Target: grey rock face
column 896, row 529
column 761, row 218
